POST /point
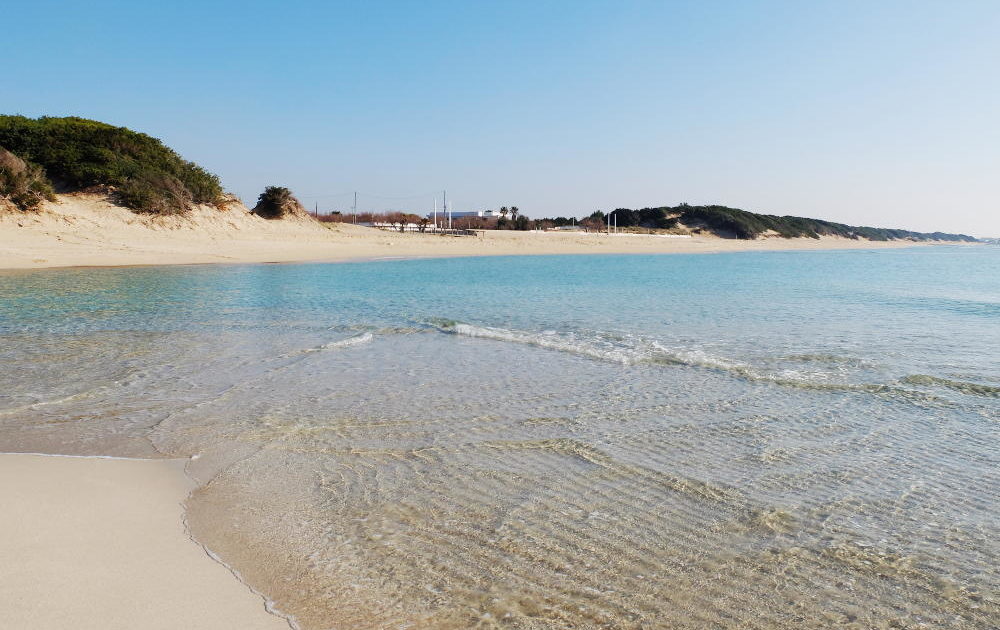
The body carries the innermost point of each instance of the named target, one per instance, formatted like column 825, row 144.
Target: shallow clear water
column 753, row 440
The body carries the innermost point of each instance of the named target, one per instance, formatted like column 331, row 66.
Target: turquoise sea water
column 752, row 440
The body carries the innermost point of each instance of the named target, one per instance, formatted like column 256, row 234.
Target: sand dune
column 86, row 230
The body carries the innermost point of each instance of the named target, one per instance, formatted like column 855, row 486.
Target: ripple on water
column 737, row 457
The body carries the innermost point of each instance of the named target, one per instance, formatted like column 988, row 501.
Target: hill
column 72, row 154
column 736, row 223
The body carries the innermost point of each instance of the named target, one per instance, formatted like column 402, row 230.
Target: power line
column 372, row 195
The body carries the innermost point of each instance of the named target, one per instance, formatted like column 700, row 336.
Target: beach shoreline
column 85, row 230
column 102, row 542
column 339, row 478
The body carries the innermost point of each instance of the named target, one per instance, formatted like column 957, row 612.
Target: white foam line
column 133, row 459
column 269, row 604
column 350, row 341
column 542, row 341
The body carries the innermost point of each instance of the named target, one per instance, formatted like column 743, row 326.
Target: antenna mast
column 447, row 208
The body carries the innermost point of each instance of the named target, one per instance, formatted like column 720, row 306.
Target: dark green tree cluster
column 736, row 223
column 654, row 218
column 560, row 221
column 517, row 220
column 77, row 153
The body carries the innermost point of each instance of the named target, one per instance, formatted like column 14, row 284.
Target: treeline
column 370, row 217
column 75, row 154
column 736, row 223
column 401, row 219
column 396, row 220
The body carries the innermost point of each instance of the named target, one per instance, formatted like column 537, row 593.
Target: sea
column 751, row 440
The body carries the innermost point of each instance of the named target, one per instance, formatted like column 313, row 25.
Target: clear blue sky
column 876, row 113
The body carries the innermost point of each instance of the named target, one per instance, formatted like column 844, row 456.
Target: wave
column 356, row 340
column 825, row 358
column 618, row 351
column 965, row 387
column 625, row 351
column 54, row 401
column 549, row 341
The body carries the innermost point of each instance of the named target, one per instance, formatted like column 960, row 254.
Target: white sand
column 86, row 230
column 89, row 543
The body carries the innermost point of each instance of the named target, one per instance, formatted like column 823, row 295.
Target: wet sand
column 91, row 543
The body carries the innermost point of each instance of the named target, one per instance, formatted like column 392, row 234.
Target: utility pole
column 435, row 213
column 354, row 208
column 446, row 208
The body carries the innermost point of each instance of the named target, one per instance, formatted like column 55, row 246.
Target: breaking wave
column 356, row 340
column 640, row 352
column 965, row 387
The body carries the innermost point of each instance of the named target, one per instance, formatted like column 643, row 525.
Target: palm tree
column 513, row 213
column 503, row 212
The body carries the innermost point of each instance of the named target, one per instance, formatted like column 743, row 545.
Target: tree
column 406, row 219
column 514, row 211
column 504, row 211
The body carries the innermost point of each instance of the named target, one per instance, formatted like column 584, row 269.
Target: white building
column 461, row 215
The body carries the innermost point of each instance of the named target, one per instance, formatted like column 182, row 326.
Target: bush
column 23, row 183
column 275, row 202
column 77, row 153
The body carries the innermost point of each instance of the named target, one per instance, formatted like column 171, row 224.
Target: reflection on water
column 797, row 440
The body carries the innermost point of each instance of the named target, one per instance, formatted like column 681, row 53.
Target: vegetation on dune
column 77, row 153
column 647, row 217
column 276, row 202
column 737, row 223
column 23, row 183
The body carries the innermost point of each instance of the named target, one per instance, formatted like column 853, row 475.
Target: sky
column 871, row 112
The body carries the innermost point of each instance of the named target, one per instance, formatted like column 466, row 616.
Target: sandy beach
column 90, row 543
column 87, row 230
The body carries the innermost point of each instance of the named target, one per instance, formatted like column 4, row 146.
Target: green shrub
column 77, row 153
column 275, row 202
